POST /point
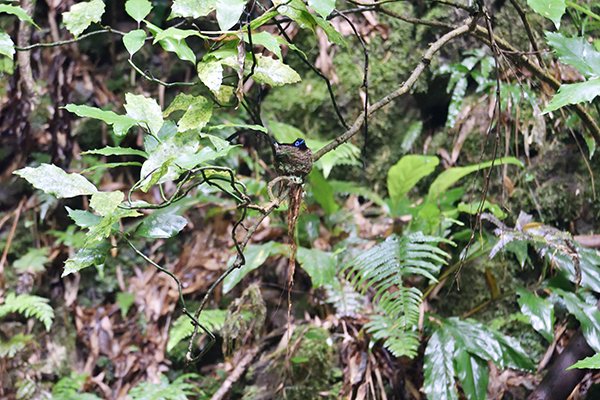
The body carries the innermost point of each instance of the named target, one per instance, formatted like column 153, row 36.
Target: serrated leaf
column 117, row 151
column 592, row 362
column 179, row 47
column 576, row 52
column 145, row 111
column 86, row 257
column 120, row 123
column 256, row 255
column 551, row 9
column 211, row 74
column 438, row 367
column 161, row 226
column 574, row 93
column 319, row 265
column 53, row 180
column 229, row 12
column 82, row 218
column 134, row 40
column 197, row 111
column 33, row 261
column 273, row 72
column 193, row 8
column 407, row 172
column 323, row 7
column 540, row 313
column 18, row 12
column 82, row 15
column 7, row 47
column 473, row 374
column 138, row 9
column 105, row 203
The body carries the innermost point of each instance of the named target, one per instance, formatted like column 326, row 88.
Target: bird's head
column 300, row 144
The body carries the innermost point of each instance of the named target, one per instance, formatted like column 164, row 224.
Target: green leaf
column 551, row 9
column 144, row 110
column 120, row 123
column 407, row 172
column 53, row 180
column 86, row 257
column 82, row 15
column 117, row 151
column 322, row 192
column 182, row 327
column 211, row 74
column 332, row 34
column 319, row 265
column 256, row 255
column 259, row 128
column 576, row 52
column 229, row 12
column 176, row 34
column 179, row 47
column 134, row 40
column 7, row 47
column 106, row 203
column 273, row 72
column 14, row 344
column 473, row 374
column 587, row 314
column 323, row 7
column 296, row 10
column 193, row 8
column 29, row 306
column 452, row 175
column 197, row 111
column 592, row 362
column 267, row 40
column 438, row 369
column 574, row 93
column 138, row 9
column 82, row 218
column 18, row 12
column 474, row 207
column 125, row 300
column 540, row 313
column 33, row 261
column 161, row 225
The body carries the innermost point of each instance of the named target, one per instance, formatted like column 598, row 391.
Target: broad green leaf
column 82, row 15
column 252, row 127
column 134, row 40
column 551, row 9
column 332, row 34
column 474, row 207
column 587, row 314
column 82, row 218
column 179, row 47
column 473, row 374
column 412, row 134
column 438, row 369
column 120, row 123
column 407, row 172
column 161, row 225
column 540, row 313
column 183, row 327
column 211, row 74
column 229, row 12
column 176, row 34
column 273, row 72
column 319, row 265
column 577, row 52
column 145, row 111
column 117, row 151
column 267, row 40
column 589, row 264
column 86, row 257
column 18, row 12
column 322, row 192
column 452, row 175
column 193, row 8
column 592, row 362
column 53, row 180
column 105, row 203
column 107, row 226
column 323, row 7
column 7, row 47
column 197, row 111
column 125, row 300
column 574, row 93
column 33, row 261
column 138, row 9
column 111, row 165
column 256, row 255
column 297, row 11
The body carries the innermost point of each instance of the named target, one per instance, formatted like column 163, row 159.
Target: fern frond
column 182, row 328
column 68, row 388
column 15, row 344
column 382, row 269
column 30, row 306
column 179, row 389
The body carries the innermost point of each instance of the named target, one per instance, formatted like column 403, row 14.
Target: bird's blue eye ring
column 299, row 142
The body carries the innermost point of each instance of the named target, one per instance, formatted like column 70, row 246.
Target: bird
column 292, row 159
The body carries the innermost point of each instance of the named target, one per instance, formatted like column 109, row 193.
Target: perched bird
column 292, row 159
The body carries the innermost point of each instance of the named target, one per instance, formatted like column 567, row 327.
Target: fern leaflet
column 30, row 306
